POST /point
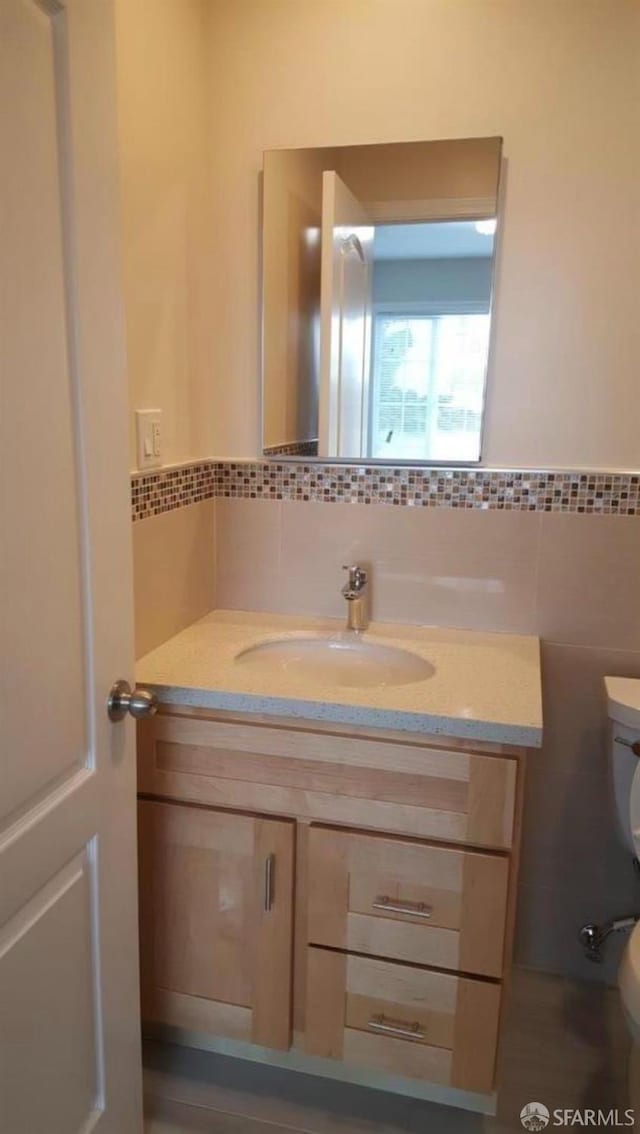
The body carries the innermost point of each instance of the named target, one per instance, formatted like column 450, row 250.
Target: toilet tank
column 623, row 695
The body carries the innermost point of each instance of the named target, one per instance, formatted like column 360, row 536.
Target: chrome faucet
column 354, row 592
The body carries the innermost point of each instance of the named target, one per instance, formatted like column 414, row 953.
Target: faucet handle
column 357, row 576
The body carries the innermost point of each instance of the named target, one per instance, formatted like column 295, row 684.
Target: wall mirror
column 378, row 269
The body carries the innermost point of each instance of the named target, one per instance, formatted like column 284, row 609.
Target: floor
column 565, row 1046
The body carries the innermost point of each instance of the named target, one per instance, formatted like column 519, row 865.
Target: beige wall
column 572, row 579
column 292, row 207
column 167, row 248
column 560, row 83
column 168, row 262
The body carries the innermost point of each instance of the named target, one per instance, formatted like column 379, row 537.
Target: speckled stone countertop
column 485, row 686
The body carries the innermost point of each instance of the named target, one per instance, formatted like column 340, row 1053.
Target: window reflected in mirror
column 431, row 301
column 378, row 276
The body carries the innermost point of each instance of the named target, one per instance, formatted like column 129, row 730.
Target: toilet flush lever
column 634, row 745
column 121, row 700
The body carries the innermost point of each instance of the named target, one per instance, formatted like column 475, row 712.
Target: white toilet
column 624, row 716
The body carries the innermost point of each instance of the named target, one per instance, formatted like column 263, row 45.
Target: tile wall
column 173, row 572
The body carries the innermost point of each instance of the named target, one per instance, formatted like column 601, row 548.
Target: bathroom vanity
column 328, row 873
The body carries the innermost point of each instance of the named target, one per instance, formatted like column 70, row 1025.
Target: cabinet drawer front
column 407, row 1021
column 408, row 901
column 402, row 788
column 216, row 921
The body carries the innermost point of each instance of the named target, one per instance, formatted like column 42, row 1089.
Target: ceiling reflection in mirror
column 378, row 269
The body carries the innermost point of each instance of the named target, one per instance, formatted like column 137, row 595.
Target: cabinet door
column 216, row 921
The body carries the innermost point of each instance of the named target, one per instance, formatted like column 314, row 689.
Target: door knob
column 140, row 702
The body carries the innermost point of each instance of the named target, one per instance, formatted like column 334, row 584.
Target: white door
column 69, row 1018
column 345, row 319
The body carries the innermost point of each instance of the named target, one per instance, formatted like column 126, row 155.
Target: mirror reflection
column 378, row 268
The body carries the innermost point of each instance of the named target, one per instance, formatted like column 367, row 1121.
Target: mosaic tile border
column 521, row 490
column 295, row 449
column 162, row 490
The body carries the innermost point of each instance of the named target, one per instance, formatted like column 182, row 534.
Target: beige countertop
column 485, row 686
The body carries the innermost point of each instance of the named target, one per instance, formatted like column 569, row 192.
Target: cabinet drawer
column 403, row 788
column 406, row 1021
column 409, row 901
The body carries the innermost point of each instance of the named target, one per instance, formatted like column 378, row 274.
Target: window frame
column 428, row 309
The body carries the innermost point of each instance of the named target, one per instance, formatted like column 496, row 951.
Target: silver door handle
column 413, row 909
column 121, row 700
column 269, row 878
column 396, row 1028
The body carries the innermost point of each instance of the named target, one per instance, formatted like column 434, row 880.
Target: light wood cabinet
column 387, row 944
column 215, row 921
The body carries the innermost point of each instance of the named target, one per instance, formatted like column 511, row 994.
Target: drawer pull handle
column 414, row 909
column 269, row 879
column 396, row 1028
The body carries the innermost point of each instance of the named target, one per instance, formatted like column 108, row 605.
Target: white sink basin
column 348, row 661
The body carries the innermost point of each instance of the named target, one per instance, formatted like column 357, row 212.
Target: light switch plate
column 149, row 438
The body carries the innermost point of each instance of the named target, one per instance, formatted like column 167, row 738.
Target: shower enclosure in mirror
column 378, row 269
